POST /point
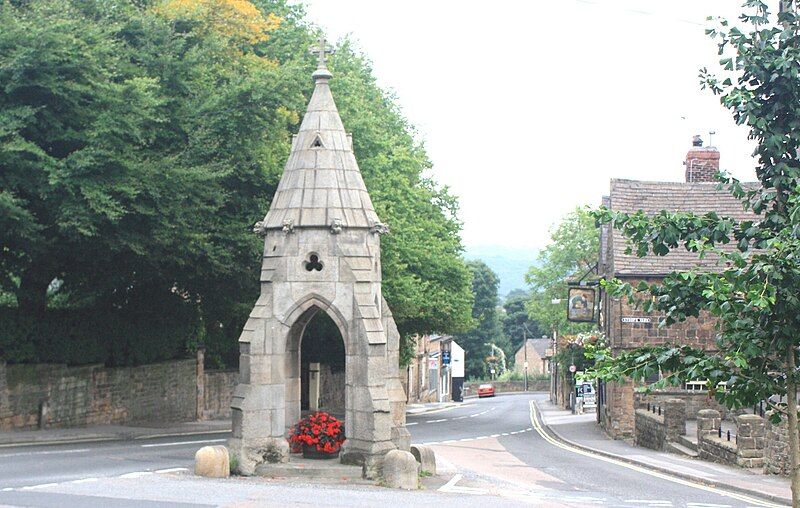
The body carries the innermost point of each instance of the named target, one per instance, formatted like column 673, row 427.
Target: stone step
column 688, row 442
column 308, row 468
column 680, row 449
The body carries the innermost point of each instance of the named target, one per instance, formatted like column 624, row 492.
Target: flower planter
column 311, row 452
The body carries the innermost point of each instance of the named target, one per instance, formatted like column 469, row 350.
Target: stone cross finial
column 321, row 50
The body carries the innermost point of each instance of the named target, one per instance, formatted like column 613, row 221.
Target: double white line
column 547, row 437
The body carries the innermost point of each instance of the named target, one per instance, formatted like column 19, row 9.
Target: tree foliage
column 573, row 251
column 487, row 330
column 753, row 293
column 517, row 323
column 139, row 144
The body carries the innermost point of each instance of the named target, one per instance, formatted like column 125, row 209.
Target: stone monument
column 321, row 254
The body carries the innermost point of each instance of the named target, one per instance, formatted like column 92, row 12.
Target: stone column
column 674, row 418
column 313, row 386
column 708, row 423
column 750, row 436
column 201, row 383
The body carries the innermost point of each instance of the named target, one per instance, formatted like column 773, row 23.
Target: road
column 487, row 450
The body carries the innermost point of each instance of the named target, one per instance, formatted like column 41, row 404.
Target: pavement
column 100, row 433
column 583, row 432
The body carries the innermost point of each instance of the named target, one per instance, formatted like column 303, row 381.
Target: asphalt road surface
column 488, row 450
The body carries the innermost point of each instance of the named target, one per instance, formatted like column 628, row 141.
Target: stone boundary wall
column 746, row 451
column 534, row 385
column 654, row 429
column 776, row 449
column 218, row 392
column 694, row 401
column 650, row 430
column 63, row 396
column 95, row 395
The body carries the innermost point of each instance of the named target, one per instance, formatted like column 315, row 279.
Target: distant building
column 627, row 327
column 534, row 352
column 436, row 373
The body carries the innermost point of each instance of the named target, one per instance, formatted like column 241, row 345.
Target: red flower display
column 320, row 430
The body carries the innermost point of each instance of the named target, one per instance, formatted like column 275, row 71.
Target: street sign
column 446, row 357
column 526, row 365
column 636, row 320
column 573, row 368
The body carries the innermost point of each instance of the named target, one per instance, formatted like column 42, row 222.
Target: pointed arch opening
column 315, row 361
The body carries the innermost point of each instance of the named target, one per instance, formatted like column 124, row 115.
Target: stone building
column 320, row 304
column 627, row 327
column 534, row 352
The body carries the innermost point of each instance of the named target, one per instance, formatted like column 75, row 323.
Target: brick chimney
column 702, row 162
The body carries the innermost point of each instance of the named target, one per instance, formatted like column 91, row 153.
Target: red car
column 485, row 390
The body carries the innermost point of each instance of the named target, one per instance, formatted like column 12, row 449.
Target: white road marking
column 410, row 424
column 436, row 421
column 171, row 470
column 7, row 489
column 707, row 505
column 495, row 435
column 181, row 443
column 544, row 435
column 40, row 486
column 84, row 480
column 49, row 452
column 137, row 474
column 451, row 487
column 452, row 481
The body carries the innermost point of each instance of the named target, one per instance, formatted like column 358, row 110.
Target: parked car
column 485, row 390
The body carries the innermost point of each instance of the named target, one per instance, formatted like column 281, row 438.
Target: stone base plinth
column 298, row 467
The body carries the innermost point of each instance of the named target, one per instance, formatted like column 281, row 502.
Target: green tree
column 754, row 293
column 517, row 323
column 488, row 328
column 573, row 251
column 139, row 144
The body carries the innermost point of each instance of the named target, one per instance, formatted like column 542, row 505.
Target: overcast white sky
column 528, row 108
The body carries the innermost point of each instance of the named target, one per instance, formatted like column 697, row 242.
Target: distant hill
column 510, row 264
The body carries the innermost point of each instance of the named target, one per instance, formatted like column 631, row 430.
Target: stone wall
column 776, row 449
column 657, row 426
column 534, row 385
column 96, row 395
column 694, row 401
column 747, row 450
column 650, row 430
column 218, row 393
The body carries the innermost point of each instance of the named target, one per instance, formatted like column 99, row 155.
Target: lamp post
column 525, row 352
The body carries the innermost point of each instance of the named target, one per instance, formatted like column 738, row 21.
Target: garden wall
column 63, row 396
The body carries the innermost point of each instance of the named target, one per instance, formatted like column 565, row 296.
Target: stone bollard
column 425, row 457
column 750, row 440
column 708, row 423
column 212, row 462
column 675, row 418
column 401, row 470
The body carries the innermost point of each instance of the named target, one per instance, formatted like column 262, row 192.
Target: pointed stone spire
column 321, row 184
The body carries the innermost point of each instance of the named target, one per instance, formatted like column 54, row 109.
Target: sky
column 528, row 108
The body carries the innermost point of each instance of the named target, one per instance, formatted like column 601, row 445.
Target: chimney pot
column 697, row 140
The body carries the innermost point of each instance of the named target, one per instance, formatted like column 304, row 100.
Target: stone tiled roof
column 321, row 181
column 631, row 196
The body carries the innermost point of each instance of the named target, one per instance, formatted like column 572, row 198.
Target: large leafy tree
column 517, row 323
column 754, row 292
column 139, row 144
column 487, row 328
column 572, row 252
